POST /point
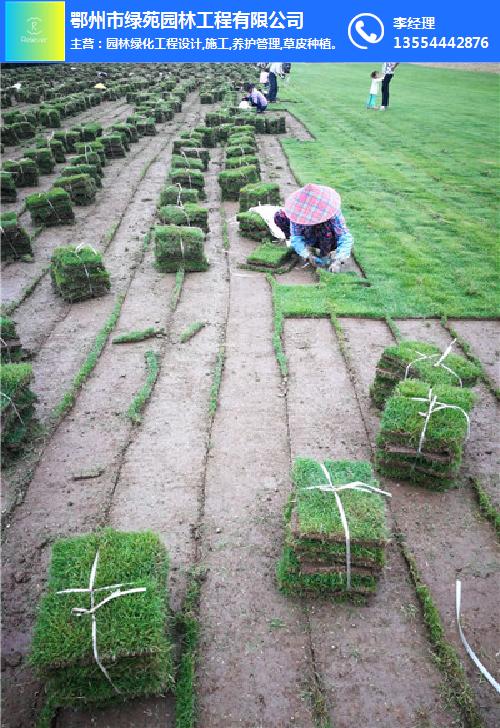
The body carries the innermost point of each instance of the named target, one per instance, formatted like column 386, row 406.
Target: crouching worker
column 312, row 219
column 255, row 97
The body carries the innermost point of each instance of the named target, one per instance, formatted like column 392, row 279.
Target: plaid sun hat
column 312, row 204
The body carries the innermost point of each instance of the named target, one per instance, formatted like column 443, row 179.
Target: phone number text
column 435, row 41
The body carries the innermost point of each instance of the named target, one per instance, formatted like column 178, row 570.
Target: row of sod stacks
column 132, row 639
column 78, row 273
column 177, row 246
column 8, row 187
column 314, row 554
column 10, row 343
column 81, row 188
column 24, row 171
column 190, row 214
column 430, row 457
column 419, row 360
column 15, row 240
column 17, row 404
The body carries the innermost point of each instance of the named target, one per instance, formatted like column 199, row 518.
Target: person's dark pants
column 273, row 87
column 260, row 106
column 385, row 88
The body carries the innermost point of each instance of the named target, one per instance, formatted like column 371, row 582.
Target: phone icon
column 356, row 30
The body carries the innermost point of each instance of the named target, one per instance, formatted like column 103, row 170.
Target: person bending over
column 255, row 97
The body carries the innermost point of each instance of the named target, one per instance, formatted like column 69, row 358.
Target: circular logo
column 359, row 30
column 33, row 26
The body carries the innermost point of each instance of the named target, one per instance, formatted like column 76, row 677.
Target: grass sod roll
column 262, row 193
column 232, row 180
column 269, row 255
column 433, row 462
column 8, row 187
column 179, row 246
column 397, row 360
column 133, row 641
column 78, row 273
column 253, row 226
column 189, row 214
column 178, row 160
column 314, row 556
column 190, row 178
column 176, row 195
column 15, row 240
column 51, row 208
column 17, row 403
column 81, row 188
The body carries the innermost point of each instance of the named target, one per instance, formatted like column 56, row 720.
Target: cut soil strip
column 249, row 673
column 356, row 649
column 483, row 338
column 442, row 552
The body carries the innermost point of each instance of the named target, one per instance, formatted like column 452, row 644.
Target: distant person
column 255, row 98
column 313, row 221
column 275, row 70
column 387, row 73
column 376, row 78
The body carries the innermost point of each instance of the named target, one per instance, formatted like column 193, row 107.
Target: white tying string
column 468, row 648
column 77, row 250
column 335, row 489
column 13, row 407
column 438, row 363
column 435, row 406
column 79, row 611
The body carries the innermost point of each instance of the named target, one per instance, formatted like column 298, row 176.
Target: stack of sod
column 50, row 117
column 190, row 214
column 128, row 129
column 239, row 149
column 179, row 246
column 314, row 554
column 113, row 145
column 132, row 641
column 232, row 180
column 30, row 174
column 17, row 404
column 51, row 208
column 10, row 343
column 69, row 138
column 78, row 273
column 223, row 131
column 177, row 195
column 15, row 240
column 58, row 150
column 253, row 226
column 216, row 118
column 88, row 158
column 8, row 187
column 406, row 360
column 13, row 168
column 90, row 169
column 91, row 131
column 209, row 135
column 263, row 193
column 244, row 161
column 206, row 97
column 88, row 149
column 195, row 153
column 81, row 188
column 433, row 461
column 185, row 162
column 269, row 255
column 192, row 142
column 145, row 125
column 190, row 178
column 275, row 125
column 43, row 158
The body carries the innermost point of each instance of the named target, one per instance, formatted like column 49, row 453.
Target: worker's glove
column 336, row 266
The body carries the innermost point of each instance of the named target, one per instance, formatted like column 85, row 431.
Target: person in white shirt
column 388, row 72
column 275, row 70
column 374, row 89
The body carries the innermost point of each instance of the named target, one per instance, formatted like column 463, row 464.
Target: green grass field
column 418, row 182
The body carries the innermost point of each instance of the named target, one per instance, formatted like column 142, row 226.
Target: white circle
column 365, row 35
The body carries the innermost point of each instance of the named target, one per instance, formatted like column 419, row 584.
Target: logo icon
column 356, row 30
column 33, row 26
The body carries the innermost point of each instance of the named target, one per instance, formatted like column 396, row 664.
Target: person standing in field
column 387, row 72
column 376, row 78
column 275, row 70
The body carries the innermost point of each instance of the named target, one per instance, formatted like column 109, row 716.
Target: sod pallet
column 184, row 162
column 189, row 178
column 10, row 343
column 58, row 150
column 314, row 559
column 43, row 158
column 30, row 174
column 209, row 135
column 89, row 157
column 189, row 214
column 192, row 142
column 17, row 404
column 262, row 193
column 177, row 195
column 8, row 187
column 244, row 161
column 113, row 146
column 269, row 255
column 275, row 125
column 239, row 150
column 50, row 208
column 132, row 638
column 78, row 273
column 81, row 188
column 89, row 149
column 231, row 181
column 253, row 226
column 90, row 169
column 15, row 240
column 419, row 360
column 179, row 246
column 431, row 457
column 69, row 138
column 195, row 153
